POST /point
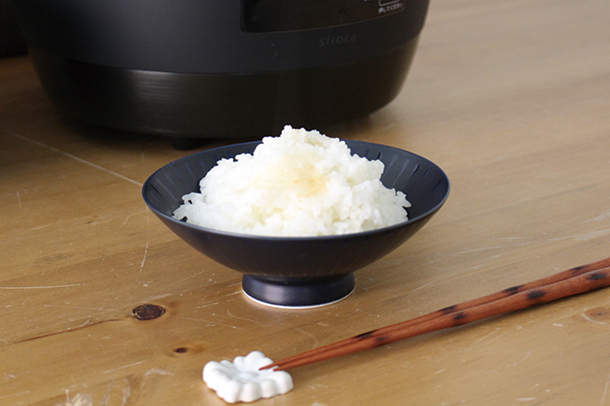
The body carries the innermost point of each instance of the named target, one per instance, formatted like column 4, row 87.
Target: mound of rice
column 298, row 184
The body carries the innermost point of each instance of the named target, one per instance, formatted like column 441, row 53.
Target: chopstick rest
column 571, row 282
column 243, row 381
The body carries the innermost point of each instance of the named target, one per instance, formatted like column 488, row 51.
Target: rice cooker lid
column 194, row 36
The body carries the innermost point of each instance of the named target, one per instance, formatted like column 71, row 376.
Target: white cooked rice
column 298, row 184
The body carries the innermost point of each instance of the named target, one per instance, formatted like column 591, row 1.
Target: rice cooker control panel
column 282, row 15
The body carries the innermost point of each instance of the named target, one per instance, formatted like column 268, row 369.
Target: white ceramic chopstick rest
column 242, row 381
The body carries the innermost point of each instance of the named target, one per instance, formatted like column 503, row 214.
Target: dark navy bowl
column 299, row 271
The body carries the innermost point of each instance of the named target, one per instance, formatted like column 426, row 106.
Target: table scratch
column 39, row 287
column 603, row 401
column 314, row 338
column 134, row 214
column 71, row 156
column 145, row 246
column 124, row 367
column 15, row 394
column 209, row 322
column 78, row 400
column 241, row 318
column 66, row 306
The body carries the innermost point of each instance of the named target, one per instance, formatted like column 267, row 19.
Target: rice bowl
column 298, row 272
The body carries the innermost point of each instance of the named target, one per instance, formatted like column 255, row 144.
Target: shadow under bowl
column 299, row 271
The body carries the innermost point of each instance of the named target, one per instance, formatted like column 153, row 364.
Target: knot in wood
column 148, row 312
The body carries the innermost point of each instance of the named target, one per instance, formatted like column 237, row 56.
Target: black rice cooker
column 220, row 68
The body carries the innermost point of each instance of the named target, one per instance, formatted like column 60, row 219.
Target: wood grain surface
column 511, row 99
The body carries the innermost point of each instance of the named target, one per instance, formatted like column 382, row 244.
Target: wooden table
column 511, row 99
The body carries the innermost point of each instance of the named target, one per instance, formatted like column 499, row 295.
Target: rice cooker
column 220, row 68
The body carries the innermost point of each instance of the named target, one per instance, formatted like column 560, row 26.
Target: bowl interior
column 424, row 183
column 287, row 265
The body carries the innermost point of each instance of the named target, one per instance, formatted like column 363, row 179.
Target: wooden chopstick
column 571, row 282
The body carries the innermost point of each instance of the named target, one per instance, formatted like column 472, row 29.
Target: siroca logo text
column 337, row 40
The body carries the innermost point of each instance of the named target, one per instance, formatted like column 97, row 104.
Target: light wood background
column 511, row 99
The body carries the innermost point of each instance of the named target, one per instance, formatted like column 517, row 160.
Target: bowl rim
column 233, row 234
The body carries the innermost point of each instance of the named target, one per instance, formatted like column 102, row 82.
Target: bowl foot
column 297, row 293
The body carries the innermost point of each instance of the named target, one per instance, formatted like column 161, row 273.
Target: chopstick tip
column 275, row 367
